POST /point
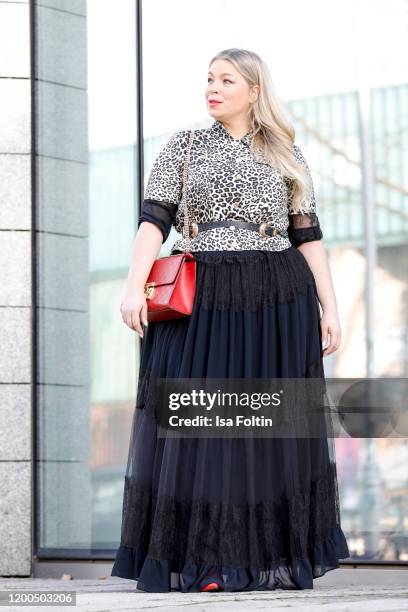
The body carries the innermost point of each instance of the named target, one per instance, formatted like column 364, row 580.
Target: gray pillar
column 15, row 290
column 44, row 303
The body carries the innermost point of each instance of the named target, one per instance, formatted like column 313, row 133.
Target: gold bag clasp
column 149, row 289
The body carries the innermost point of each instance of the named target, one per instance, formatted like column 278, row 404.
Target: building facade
column 84, row 112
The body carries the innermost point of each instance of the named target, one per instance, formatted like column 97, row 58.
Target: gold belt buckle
column 263, row 227
column 149, row 289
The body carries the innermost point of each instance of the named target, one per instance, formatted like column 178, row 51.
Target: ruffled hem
column 158, row 576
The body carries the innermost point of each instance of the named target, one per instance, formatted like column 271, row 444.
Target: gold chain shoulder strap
column 186, row 233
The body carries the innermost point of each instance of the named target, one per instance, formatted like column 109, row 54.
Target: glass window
column 87, row 206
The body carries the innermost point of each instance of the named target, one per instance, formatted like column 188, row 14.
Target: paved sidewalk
column 343, row 590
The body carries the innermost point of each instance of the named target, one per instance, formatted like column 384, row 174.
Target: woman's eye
column 225, row 80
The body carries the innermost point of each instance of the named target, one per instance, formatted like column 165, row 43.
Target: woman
column 222, row 513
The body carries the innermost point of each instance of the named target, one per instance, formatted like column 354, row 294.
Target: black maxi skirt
column 250, row 513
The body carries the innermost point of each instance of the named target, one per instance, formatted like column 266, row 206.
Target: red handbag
column 170, row 287
column 171, row 284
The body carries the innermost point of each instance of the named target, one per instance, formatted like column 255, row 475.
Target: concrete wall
column 15, row 290
column 56, row 382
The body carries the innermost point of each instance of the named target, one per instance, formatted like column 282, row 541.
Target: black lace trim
column 247, row 535
column 240, row 280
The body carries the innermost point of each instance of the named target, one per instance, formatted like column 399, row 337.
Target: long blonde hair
column 273, row 134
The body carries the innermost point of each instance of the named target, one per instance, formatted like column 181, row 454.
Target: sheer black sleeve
column 304, row 223
column 161, row 214
column 304, row 228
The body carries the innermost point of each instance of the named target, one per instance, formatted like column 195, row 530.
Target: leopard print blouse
column 226, row 180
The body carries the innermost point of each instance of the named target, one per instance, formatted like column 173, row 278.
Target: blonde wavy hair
column 273, row 134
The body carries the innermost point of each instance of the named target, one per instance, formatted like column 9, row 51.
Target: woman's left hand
column 331, row 332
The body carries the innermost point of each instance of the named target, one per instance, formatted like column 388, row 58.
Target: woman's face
column 229, row 88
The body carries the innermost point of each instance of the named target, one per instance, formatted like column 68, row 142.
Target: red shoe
column 211, row 586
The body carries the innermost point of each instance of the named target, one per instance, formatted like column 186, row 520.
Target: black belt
column 265, row 229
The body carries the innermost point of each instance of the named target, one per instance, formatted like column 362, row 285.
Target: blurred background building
column 89, row 92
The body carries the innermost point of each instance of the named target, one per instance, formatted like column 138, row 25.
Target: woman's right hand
column 134, row 311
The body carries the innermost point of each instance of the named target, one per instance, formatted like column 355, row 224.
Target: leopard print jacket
column 226, row 180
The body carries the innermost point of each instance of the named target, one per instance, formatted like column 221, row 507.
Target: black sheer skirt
column 250, row 513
